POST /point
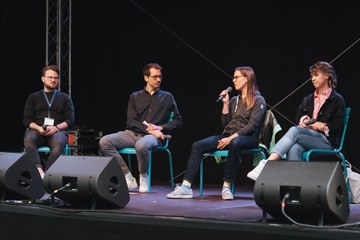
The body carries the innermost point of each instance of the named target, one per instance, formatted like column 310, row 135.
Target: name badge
column 49, row 121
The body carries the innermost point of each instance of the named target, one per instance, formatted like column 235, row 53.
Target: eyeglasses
column 52, row 77
column 157, row 76
column 237, row 77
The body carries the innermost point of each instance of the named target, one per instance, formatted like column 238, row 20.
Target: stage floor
column 208, row 217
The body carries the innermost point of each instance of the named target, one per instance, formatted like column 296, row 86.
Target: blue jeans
column 208, row 145
column 111, row 143
column 297, row 140
column 33, row 139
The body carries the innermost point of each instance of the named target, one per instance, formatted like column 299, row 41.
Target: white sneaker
column 254, row 174
column 131, row 183
column 227, row 194
column 180, row 192
column 143, row 184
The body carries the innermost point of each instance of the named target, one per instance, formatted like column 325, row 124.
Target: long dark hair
column 252, row 87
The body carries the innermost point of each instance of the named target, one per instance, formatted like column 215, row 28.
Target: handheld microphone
column 310, row 121
column 229, row 89
column 168, row 137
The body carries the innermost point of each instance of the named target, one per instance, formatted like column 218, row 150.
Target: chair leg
column 67, row 150
column 149, row 172
column 263, row 154
column 343, row 163
column 129, row 163
column 171, row 169
column 201, row 177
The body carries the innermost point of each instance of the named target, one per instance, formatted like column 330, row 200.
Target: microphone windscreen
column 167, row 137
column 229, row 89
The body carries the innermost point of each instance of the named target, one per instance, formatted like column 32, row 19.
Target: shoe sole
column 179, row 197
column 229, row 198
column 132, row 188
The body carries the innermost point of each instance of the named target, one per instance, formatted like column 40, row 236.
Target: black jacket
column 331, row 112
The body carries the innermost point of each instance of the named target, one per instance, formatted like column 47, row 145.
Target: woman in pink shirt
column 320, row 118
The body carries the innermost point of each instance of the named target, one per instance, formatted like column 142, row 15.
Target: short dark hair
column 326, row 68
column 50, row 67
column 146, row 70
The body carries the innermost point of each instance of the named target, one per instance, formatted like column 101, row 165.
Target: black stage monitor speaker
column 93, row 181
column 316, row 191
column 19, row 178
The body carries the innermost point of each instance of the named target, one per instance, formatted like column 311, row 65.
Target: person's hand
column 226, row 97
column 321, row 127
column 222, row 143
column 152, row 127
column 51, row 130
column 157, row 133
column 303, row 120
column 43, row 130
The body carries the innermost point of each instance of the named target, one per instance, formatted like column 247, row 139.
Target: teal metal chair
column 163, row 148
column 334, row 152
column 46, row 149
column 224, row 154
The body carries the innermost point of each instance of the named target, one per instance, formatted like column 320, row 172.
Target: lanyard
column 47, row 100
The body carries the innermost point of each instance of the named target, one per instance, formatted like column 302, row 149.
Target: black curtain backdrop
column 198, row 43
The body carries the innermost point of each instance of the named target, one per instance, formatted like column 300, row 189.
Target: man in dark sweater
column 48, row 113
column 147, row 121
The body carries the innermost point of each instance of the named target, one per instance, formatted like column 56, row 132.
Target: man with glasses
column 48, row 113
column 147, row 123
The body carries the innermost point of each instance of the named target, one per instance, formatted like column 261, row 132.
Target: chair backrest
column 346, row 123
column 46, row 149
column 268, row 131
column 171, row 116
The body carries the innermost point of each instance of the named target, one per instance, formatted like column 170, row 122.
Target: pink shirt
column 319, row 101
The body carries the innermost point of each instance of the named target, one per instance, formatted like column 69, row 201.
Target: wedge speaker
column 306, row 191
column 19, row 178
column 93, row 181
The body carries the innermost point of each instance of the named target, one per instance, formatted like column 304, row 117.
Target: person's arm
column 225, row 113
column 176, row 121
column 29, row 115
column 333, row 115
column 133, row 121
column 305, row 110
column 256, row 117
column 69, row 114
column 226, row 102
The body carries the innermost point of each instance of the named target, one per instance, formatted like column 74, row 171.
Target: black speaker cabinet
column 94, row 181
column 316, row 190
column 19, row 178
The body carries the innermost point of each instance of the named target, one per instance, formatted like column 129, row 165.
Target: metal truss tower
column 58, row 40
